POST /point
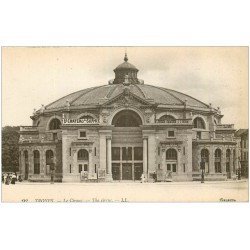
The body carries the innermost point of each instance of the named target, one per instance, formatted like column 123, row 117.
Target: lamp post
column 202, row 165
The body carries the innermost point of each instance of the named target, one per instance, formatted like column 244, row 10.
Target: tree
column 10, row 153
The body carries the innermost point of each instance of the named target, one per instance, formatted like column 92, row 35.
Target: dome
column 126, row 65
column 98, row 95
column 125, row 77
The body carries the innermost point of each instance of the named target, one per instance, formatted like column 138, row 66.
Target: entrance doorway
column 138, row 171
column 127, row 163
column 127, row 171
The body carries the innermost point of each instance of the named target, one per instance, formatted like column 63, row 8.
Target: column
column 109, row 160
column 31, row 161
column 145, row 155
column 223, row 160
column 163, row 159
column 179, row 161
column 231, row 161
column 91, row 161
column 211, row 160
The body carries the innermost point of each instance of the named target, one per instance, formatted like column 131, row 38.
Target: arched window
column 82, row 155
column 171, row 157
column 49, row 157
column 217, row 160
column 199, row 123
column 127, row 118
column 228, row 155
column 166, row 119
column 171, row 154
column 234, row 159
column 54, row 124
column 205, row 155
column 36, row 154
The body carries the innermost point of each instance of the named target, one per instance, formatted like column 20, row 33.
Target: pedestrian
column 7, row 180
column 52, row 173
column 143, row 178
column 154, row 177
column 20, row 178
column 13, row 179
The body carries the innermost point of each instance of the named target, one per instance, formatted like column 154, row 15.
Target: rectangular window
column 217, row 167
column 138, row 153
column 95, row 168
column 55, row 136
column 184, row 150
column 184, row 168
column 171, row 133
column 115, row 154
column 127, row 154
column 168, row 167
column 70, row 168
column 159, row 166
column 80, row 168
column 95, row 151
column 199, row 135
column 85, row 167
column 174, row 167
column 69, row 151
column 159, row 150
column 82, row 134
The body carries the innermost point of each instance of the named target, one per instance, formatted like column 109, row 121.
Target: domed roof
column 98, row 95
column 126, row 65
column 125, row 79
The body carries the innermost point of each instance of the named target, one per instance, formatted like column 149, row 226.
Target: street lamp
column 202, row 165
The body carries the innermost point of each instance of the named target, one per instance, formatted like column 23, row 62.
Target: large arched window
column 36, row 155
column 82, row 155
column 205, row 158
column 127, row 118
column 199, row 123
column 166, row 119
column 217, row 160
column 54, row 124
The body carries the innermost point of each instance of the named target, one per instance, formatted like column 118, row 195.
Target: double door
column 127, row 171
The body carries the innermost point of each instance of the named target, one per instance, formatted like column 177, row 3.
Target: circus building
column 116, row 132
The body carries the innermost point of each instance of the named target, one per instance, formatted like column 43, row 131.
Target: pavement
column 212, row 191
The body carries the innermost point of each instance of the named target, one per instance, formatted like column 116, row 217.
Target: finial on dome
column 125, row 57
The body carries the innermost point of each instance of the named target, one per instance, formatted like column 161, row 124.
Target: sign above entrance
column 80, row 121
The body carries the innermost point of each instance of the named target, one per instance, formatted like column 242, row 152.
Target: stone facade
column 121, row 130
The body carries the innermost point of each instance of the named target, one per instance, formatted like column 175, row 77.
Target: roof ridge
column 166, row 90
column 137, row 86
column 112, row 90
column 90, row 89
column 65, row 97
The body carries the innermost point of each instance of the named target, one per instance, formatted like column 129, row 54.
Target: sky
column 32, row 76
